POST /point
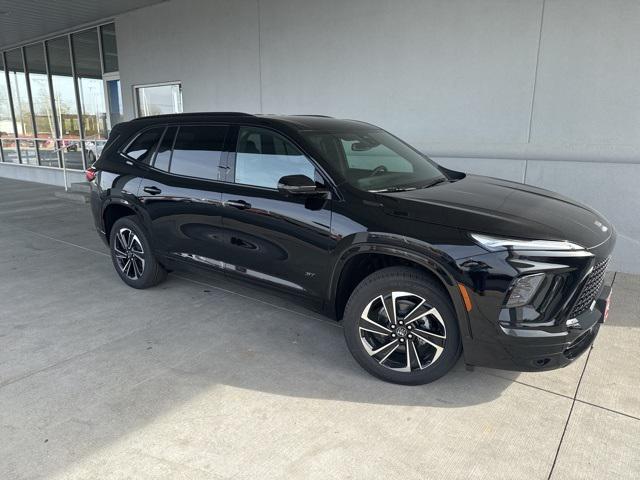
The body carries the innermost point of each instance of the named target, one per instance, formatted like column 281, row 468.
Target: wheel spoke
column 371, row 325
column 374, row 352
column 418, row 313
column 132, row 238
column 127, row 267
column 123, row 242
column 435, row 341
column 407, row 359
column 415, row 354
column 430, row 337
column 389, row 353
column 390, row 308
column 138, row 255
column 137, row 270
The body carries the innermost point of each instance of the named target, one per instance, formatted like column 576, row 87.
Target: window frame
column 151, row 165
column 231, row 165
column 136, row 97
column 123, row 150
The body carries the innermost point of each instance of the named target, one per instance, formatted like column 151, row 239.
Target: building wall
column 540, row 91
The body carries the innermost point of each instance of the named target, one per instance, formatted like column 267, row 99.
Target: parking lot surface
column 205, row 378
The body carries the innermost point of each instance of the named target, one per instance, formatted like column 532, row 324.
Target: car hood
column 500, row 207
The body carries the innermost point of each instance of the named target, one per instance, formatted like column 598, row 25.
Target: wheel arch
column 343, row 279
column 113, row 211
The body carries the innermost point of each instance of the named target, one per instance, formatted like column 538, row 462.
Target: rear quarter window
column 144, row 145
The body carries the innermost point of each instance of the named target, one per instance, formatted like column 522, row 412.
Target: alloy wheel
column 129, row 253
column 402, row 332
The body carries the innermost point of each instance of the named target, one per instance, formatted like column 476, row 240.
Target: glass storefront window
column 159, row 99
column 41, row 101
column 114, row 97
column 19, row 93
column 109, row 47
column 40, row 98
column 64, row 95
column 9, row 153
column 48, row 119
column 90, row 86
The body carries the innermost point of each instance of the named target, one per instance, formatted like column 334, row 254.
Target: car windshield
column 375, row 160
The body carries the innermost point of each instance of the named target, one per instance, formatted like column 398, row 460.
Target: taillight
column 90, row 174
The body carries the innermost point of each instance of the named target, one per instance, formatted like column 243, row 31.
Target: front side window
column 375, row 160
column 144, row 145
column 263, row 157
column 197, row 151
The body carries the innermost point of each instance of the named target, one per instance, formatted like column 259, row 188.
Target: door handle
column 240, row 204
column 152, row 190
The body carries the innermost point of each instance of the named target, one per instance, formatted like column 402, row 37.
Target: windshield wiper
column 435, row 182
column 393, row 189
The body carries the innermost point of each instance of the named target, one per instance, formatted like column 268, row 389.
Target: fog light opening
column 523, row 289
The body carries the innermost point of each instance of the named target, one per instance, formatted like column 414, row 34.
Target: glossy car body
column 318, row 248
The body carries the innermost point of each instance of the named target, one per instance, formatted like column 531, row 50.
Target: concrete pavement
column 202, row 377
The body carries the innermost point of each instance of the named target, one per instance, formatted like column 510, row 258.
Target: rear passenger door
column 277, row 239
column 182, row 193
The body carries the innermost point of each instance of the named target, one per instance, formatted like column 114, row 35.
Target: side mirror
column 298, row 185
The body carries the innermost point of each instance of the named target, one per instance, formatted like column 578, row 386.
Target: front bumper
column 525, row 349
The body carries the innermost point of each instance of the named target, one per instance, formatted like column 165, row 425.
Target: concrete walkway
column 205, row 378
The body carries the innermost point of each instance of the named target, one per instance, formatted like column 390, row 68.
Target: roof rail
column 194, row 114
column 303, row 115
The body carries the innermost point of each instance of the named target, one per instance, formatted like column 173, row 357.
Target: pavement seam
column 608, row 409
column 529, row 385
column 566, row 425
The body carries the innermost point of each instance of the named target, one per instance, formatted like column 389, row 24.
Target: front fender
column 428, row 256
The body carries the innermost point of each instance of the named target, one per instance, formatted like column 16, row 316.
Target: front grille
column 592, row 287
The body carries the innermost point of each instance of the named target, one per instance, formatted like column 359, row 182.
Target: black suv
column 419, row 262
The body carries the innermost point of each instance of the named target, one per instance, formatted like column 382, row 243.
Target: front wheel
column 400, row 326
column 132, row 256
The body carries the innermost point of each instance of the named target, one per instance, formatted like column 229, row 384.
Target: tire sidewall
column 384, row 284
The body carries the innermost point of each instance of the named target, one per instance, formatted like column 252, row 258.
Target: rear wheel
column 132, row 256
column 401, row 327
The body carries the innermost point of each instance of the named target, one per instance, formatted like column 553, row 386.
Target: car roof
column 295, row 122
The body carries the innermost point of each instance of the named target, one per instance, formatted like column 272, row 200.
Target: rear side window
column 143, row 147
column 197, row 151
column 163, row 157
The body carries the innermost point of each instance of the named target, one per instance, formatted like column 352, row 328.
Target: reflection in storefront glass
column 61, row 119
column 6, row 121
column 90, row 85
column 42, row 109
column 159, row 99
column 19, row 93
column 64, row 98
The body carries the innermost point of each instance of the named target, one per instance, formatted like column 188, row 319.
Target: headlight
column 524, row 289
column 497, row 243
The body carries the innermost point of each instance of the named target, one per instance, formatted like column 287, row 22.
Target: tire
column 432, row 340
column 132, row 257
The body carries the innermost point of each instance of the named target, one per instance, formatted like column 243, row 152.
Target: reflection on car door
column 282, row 240
column 182, row 193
